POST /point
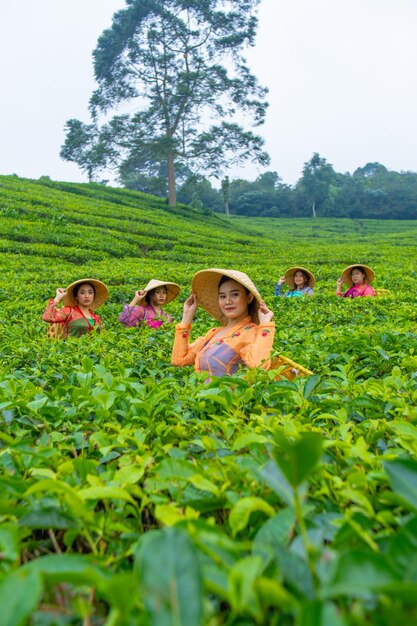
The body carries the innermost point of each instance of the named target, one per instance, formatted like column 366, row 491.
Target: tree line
column 372, row 191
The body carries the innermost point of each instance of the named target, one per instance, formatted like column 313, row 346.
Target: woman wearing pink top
column 146, row 305
column 358, row 279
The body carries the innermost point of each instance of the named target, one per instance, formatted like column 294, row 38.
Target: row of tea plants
column 134, row 494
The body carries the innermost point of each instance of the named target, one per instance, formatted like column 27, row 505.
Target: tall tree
column 180, row 66
column 316, row 180
column 225, row 187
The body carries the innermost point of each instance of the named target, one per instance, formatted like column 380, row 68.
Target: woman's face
column 159, row 296
column 357, row 276
column 299, row 279
column 234, row 300
column 85, row 295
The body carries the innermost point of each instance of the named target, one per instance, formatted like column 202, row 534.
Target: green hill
column 134, row 493
column 81, row 223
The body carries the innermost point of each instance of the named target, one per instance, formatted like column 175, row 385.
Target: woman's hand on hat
column 190, row 307
column 139, row 294
column 60, row 293
column 281, row 280
column 265, row 315
column 339, row 282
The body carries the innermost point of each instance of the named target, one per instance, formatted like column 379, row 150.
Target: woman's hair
column 78, row 287
column 224, row 279
column 251, row 305
column 148, row 296
column 150, row 293
column 360, row 268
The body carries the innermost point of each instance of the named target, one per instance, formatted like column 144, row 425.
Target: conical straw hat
column 205, row 285
column 289, row 277
column 100, row 289
column 347, row 279
column 172, row 290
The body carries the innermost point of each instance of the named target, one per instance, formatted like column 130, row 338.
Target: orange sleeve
column 184, row 353
column 256, row 351
column 52, row 314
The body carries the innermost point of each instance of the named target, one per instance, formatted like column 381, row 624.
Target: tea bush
column 132, row 493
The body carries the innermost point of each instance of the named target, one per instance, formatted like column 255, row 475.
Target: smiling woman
column 358, row 279
column 300, row 280
column 76, row 318
column 146, row 305
column 247, row 334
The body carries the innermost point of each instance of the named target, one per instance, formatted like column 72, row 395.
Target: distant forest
column 371, row 191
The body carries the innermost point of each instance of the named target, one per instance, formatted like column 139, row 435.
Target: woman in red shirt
column 77, row 317
column 358, row 278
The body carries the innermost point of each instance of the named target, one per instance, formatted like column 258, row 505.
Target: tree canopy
column 178, row 66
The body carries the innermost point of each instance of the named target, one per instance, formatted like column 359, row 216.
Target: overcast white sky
column 341, row 74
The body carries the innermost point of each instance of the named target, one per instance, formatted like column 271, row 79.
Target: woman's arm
column 141, row 293
column 184, row 353
column 54, row 315
column 51, row 313
column 278, row 286
column 339, row 284
column 132, row 315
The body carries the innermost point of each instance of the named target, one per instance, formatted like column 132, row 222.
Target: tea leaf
column 170, row 578
column 403, row 477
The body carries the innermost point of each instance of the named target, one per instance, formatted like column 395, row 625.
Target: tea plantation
column 134, row 494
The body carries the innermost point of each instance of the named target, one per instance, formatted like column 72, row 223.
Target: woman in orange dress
column 246, row 335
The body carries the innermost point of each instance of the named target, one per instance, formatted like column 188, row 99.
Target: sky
column 341, row 77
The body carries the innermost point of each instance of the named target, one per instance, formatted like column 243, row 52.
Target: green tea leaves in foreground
column 360, row 574
column 298, row 459
column 241, row 512
column 170, row 575
column 20, row 593
column 403, row 478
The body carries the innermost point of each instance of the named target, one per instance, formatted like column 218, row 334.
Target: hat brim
column 173, row 291
column 346, row 274
column 289, row 276
column 100, row 290
column 205, row 285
